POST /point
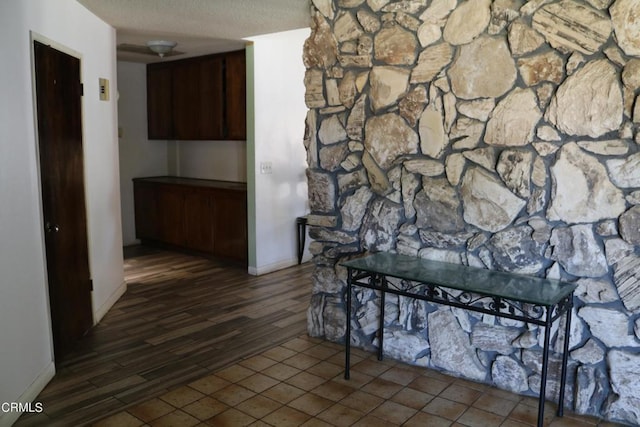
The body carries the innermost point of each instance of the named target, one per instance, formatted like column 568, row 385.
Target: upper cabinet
column 201, row 98
column 236, row 95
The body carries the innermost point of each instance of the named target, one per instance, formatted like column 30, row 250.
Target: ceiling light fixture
column 161, row 47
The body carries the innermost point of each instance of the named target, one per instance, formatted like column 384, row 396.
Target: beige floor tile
column 339, row 359
column 205, row 408
column 326, row 370
column 231, row 418
column 382, row 388
column 321, row 352
column 369, row 367
column 305, row 381
column 258, row 382
column 121, row 419
column 528, row 414
column 151, row 410
column 399, row 375
column 585, row 419
column 232, row 395
column 316, row 422
column 300, row 344
column 471, row 384
column 394, row 412
column 445, row 408
column 340, row 415
column 362, row 401
column 460, row 394
column 301, row 361
column 513, row 423
column 371, row 421
column 209, row 384
column 286, row 417
column 279, row 353
column 503, row 394
column 474, row 417
column 258, row 363
column 283, row 393
column 333, row 390
column 281, row 372
column 422, row 419
column 182, row 396
column 429, row 385
column 258, row 406
column 356, row 379
column 176, row 418
column 311, row 404
column 412, row 398
column 235, row 373
column 494, row 404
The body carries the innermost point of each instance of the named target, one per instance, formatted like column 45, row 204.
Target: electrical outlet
column 265, row 168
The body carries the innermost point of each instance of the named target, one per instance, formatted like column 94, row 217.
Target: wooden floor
column 181, row 318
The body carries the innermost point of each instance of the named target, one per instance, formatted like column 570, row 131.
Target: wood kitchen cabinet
column 200, row 98
column 204, row 216
column 236, row 95
column 159, row 103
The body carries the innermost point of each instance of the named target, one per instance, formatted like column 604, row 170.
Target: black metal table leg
column 383, row 282
column 545, row 365
column 347, row 338
column 565, row 356
column 301, row 223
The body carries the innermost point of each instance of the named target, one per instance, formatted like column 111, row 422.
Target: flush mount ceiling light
column 161, row 47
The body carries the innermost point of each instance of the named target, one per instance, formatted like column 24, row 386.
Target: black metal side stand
column 532, row 300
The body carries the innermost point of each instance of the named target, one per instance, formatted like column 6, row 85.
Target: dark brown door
column 58, row 93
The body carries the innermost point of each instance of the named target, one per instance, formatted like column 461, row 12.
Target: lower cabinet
column 203, row 216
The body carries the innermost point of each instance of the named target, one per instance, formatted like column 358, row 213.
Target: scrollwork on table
column 494, row 305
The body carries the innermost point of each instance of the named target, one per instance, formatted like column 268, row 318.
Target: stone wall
column 499, row 134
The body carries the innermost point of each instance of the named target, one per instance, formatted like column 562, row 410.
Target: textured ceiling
column 199, row 26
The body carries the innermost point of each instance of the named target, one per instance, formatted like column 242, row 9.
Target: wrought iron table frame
column 525, row 298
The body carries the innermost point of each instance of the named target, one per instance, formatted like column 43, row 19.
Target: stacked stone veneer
column 498, row 134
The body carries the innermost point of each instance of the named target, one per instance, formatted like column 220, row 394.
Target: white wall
column 138, row 156
column 279, row 113
column 222, row 160
column 26, row 356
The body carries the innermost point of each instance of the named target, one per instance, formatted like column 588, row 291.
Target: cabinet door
column 230, row 225
column 159, row 103
column 146, row 208
column 186, row 100
column 212, row 98
column 171, row 215
column 198, row 220
column 236, row 95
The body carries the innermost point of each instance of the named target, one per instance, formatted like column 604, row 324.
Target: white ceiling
column 198, row 26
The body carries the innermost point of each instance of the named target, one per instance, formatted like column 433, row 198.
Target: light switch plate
column 104, row 89
column 266, row 168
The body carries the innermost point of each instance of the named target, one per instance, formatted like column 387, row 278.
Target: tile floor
column 300, row 383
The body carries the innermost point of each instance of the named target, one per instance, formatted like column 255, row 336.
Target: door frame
column 36, row 37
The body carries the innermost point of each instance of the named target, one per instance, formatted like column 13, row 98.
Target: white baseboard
column 99, row 314
column 270, row 268
column 30, row 394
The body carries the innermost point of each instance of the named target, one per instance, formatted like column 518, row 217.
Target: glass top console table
column 529, row 299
